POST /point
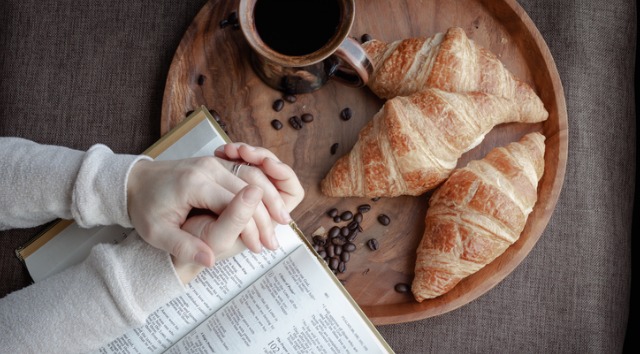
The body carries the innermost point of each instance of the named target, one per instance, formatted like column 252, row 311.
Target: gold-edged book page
column 343, row 290
column 154, row 151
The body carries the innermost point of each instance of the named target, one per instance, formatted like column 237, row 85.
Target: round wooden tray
column 211, row 68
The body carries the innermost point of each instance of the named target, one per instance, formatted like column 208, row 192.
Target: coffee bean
column 346, row 216
column 224, row 23
column 307, row 117
column 342, row 267
column 333, row 263
column 334, row 231
column 353, row 225
column 344, row 231
column 373, row 244
column 402, row 288
column 330, row 252
column 235, row 26
column 337, row 249
column 346, row 114
column 319, row 240
column 276, row 124
column 295, row 122
column 216, row 116
column 201, row 79
column 333, row 212
column 345, row 256
column 375, row 199
column 289, row 98
column 233, row 17
column 334, row 148
column 277, row 105
column 352, row 236
column 340, row 240
column 364, row 208
column 384, row 219
column 366, row 37
column 188, row 113
column 358, row 217
column 349, row 247
column 337, row 219
column 322, row 253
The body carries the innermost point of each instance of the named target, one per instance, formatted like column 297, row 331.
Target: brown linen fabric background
column 75, row 73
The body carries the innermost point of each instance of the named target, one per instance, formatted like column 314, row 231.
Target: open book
column 282, row 301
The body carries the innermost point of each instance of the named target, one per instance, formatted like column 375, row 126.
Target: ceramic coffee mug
column 298, row 45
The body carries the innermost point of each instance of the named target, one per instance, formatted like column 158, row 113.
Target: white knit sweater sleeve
column 39, row 183
column 115, row 288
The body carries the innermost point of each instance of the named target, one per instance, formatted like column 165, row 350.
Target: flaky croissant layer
column 413, row 143
column 448, row 61
column 477, row 214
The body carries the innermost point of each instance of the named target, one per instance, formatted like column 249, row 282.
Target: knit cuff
column 100, row 192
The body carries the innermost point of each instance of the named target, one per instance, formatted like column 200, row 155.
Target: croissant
column 476, row 214
column 450, row 62
column 413, row 143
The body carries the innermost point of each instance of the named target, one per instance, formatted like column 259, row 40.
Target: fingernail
column 220, row 148
column 274, row 243
column 285, row 214
column 252, row 195
column 204, row 259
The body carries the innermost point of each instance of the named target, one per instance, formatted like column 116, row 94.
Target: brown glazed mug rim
column 247, row 24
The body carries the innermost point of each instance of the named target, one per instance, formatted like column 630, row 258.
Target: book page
column 213, row 288
column 295, row 307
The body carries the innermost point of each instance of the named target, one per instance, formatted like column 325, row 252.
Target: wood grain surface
column 211, row 68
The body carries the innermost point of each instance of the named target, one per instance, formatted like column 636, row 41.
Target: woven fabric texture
column 78, row 73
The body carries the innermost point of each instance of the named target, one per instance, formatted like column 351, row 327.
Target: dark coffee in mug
column 296, row 27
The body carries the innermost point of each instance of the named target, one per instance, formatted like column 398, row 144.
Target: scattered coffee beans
column 276, row 124
column 307, row 117
column 346, row 216
column 216, row 116
column 295, row 122
column 384, row 219
column 366, row 37
column 333, row 263
column 333, row 212
column 358, row 218
column 289, row 98
column 402, row 288
column 334, row 148
column 319, row 240
column 231, row 20
column 373, row 244
column 277, row 105
column 364, row 208
column 349, row 247
column 346, row 114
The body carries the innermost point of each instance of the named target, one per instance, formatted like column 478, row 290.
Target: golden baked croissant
column 450, row 62
column 476, row 214
column 413, row 143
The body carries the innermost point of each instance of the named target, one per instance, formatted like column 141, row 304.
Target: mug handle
column 354, row 67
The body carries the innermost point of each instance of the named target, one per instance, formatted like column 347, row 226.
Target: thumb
column 233, row 220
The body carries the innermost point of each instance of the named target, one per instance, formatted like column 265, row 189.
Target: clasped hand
column 162, row 195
